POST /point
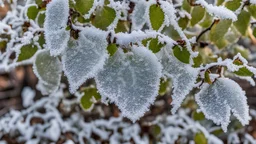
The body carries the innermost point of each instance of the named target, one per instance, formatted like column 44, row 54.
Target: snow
column 130, row 80
column 220, row 12
column 183, row 76
column 27, row 95
column 56, row 36
column 83, row 58
column 218, row 100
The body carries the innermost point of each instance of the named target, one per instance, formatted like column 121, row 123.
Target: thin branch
column 204, row 31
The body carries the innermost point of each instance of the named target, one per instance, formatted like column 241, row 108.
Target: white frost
column 183, row 76
column 139, row 16
column 48, row 69
column 28, row 95
column 56, row 36
column 83, row 58
column 131, row 80
column 217, row 100
column 218, row 11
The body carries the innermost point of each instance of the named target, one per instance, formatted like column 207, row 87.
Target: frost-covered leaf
column 56, row 36
column 32, row 12
column 48, row 69
column 139, row 16
column 197, row 15
column 84, row 57
column 220, row 12
column 26, row 52
column 218, row 100
column 243, row 22
column 130, row 80
column 156, row 16
column 183, row 76
column 104, row 17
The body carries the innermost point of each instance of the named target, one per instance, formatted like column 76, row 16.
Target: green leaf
column 219, row 30
column 181, row 54
column 40, row 19
column 41, row 40
column 186, row 6
column 242, row 71
column 219, row 2
column 83, row 6
column 164, row 85
column 81, row 19
column 38, row 2
column 171, row 32
column 221, row 43
column 145, row 41
column 200, row 138
column 243, row 51
column 198, row 60
column 207, row 77
column 207, row 21
column 104, row 17
column 155, row 46
column 90, row 94
column 183, row 22
column 217, row 132
column 26, row 52
column 252, row 10
column 243, row 21
column 156, row 130
column 254, row 32
column 32, row 12
column 112, row 48
column 156, row 16
column 197, row 15
column 3, row 45
column 122, row 26
column 198, row 116
column 233, row 5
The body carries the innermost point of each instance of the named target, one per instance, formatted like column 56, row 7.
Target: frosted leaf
column 84, row 57
column 48, row 69
column 56, row 36
column 139, row 16
column 183, row 76
column 130, row 80
column 218, row 11
column 217, row 100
